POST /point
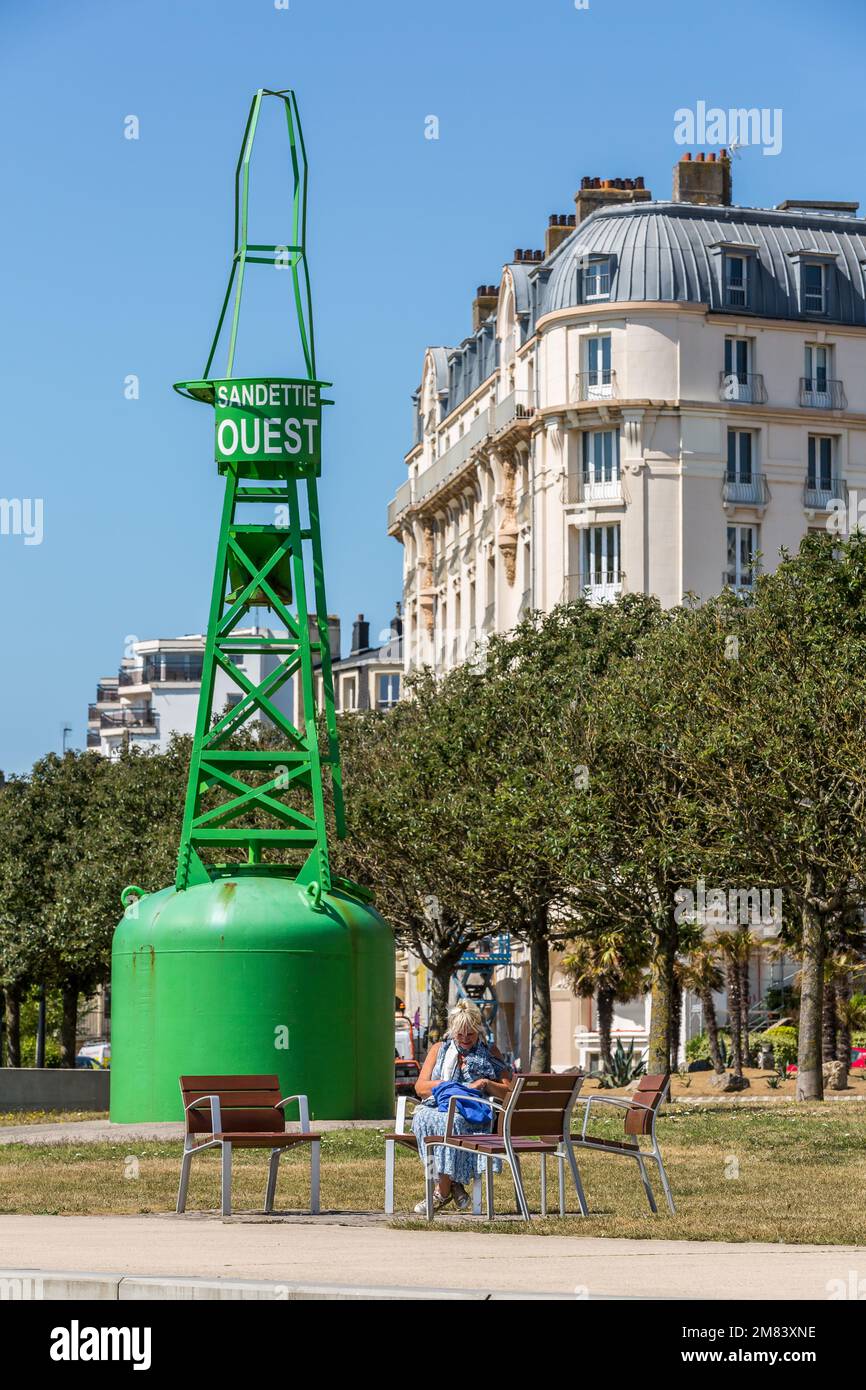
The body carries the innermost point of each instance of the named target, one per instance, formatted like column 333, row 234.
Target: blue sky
column 115, row 253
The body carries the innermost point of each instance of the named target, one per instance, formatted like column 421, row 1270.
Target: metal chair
column 640, row 1119
column 535, row 1120
column 244, row 1112
column 401, row 1138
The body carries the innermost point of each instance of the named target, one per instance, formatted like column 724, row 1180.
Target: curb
column 38, row 1285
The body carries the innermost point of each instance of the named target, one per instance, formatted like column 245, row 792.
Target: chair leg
column 390, row 1151
column 184, row 1181
column 270, row 1193
column 575, row 1173
column 544, row 1184
column 227, row 1179
column 560, row 1171
column 522, row 1204
column 647, row 1187
column 665, row 1184
column 476, row 1195
column 315, row 1177
column 488, row 1175
column 428, row 1183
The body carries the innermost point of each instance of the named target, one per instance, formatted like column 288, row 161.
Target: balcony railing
column 820, row 498
column 599, row 586
column 93, row 738
column 106, row 693
column 586, row 487
column 130, row 675
column 599, row 385
column 742, row 388
column 519, row 405
column 822, row 393
column 400, row 502
column 746, row 492
column 127, row 719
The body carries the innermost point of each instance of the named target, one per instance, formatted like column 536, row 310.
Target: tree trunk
column 441, row 972
column 711, row 1023
column 810, row 1079
column 13, row 1027
column 662, row 1004
column 676, row 1024
column 604, row 1009
column 732, row 974
column 69, row 1025
column 2, row 1028
column 539, row 972
column 843, row 1034
column 745, row 989
column 829, row 1038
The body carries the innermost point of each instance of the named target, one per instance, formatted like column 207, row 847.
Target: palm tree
column 736, row 947
column 610, row 966
column 702, row 975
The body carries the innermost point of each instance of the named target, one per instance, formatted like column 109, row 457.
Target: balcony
column 822, row 494
column 586, row 487
column 402, row 499
column 127, row 719
column 599, row 586
column 516, row 406
column 93, row 738
column 130, row 675
column 742, row 388
column 822, row 393
column 599, row 385
column 746, row 492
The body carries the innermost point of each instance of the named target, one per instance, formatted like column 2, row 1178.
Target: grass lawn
column 768, row 1173
column 10, row 1118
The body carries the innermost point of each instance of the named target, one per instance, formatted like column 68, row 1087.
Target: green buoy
column 252, row 963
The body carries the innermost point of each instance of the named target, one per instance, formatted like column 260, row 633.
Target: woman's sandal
column 438, row 1202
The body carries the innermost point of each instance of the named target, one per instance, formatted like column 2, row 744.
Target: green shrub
column 783, row 1040
column 698, row 1048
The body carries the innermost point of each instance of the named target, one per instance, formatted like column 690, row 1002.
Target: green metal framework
column 265, row 565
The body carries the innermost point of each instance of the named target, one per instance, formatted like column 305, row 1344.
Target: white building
column 658, row 402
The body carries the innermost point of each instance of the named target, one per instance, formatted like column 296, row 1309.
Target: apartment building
column 658, row 401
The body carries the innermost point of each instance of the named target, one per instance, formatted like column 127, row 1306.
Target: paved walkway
column 330, row 1251
column 103, row 1132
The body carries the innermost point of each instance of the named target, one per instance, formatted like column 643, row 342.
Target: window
column 819, row 469
column 598, row 360
column 388, row 690
column 601, row 456
column 349, row 694
column 813, row 285
column 817, row 367
column 600, row 556
column 736, row 280
column 742, row 549
column 596, row 279
column 738, row 359
column 739, row 456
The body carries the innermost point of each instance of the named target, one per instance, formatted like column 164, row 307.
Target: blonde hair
column 465, row 1012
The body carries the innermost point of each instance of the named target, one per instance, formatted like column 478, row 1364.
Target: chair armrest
column 452, row 1110
column 401, row 1116
column 608, row 1100
column 303, row 1110
column 216, row 1122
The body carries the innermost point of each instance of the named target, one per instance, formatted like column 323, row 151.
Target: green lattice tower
column 268, row 447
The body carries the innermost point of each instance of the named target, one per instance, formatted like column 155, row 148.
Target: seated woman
column 465, row 1057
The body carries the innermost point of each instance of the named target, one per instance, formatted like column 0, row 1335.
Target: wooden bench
column 535, row 1120
column 640, row 1120
column 245, row 1112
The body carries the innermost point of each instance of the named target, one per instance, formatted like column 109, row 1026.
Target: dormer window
column 736, row 281
column 814, row 287
column 596, row 279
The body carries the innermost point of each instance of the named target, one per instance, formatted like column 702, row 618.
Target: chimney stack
column 484, row 304
column 360, row 634
column 705, row 179
column 595, row 194
column 559, row 226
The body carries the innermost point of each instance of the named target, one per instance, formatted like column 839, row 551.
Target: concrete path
column 103, row 1132
column 330, row 1251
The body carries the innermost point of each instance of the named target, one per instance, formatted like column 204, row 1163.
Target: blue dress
column 458, row 1164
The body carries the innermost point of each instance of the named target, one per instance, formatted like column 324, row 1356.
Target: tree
column 611, row 966
column 701, row 974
